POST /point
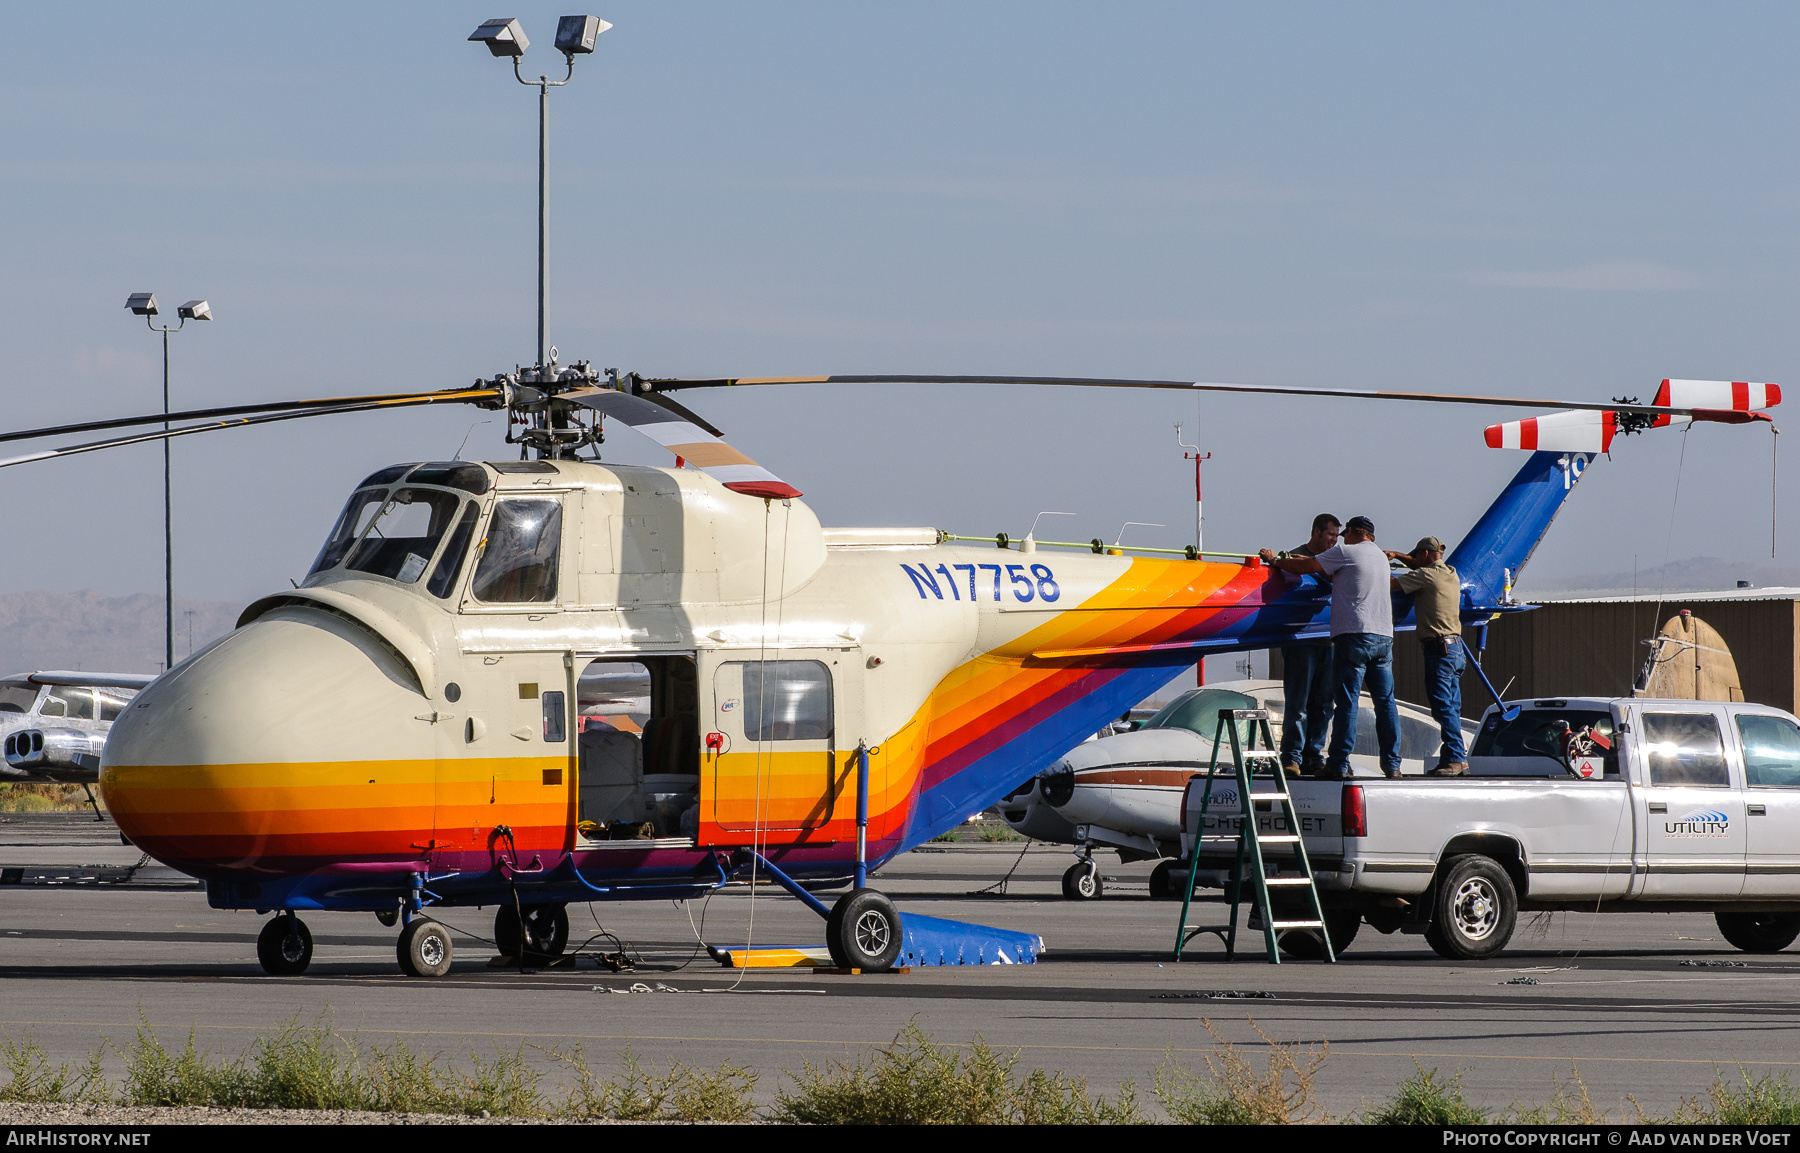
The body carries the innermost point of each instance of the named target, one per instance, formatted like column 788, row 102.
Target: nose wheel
column 1082, row 881
column 284, row 946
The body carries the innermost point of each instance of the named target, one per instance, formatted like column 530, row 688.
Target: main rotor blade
column 671, row 384
column 657, row 420
column 466, row 394
column 242, row 422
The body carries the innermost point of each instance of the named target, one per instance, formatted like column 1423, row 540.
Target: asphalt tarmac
column 1647, row 1005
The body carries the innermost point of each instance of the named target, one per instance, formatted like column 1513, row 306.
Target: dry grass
column 1233, row 1092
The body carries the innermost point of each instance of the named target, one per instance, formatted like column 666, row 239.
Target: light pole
column 575, row 36
column 144, row 304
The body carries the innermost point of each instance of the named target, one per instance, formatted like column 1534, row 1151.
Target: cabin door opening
column 639, row 742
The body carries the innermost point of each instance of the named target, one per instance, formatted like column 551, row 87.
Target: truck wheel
column 863, row 931
column 1473, row 909
column 1342, row 924
column 1163, row 885
column 1759, row 932
column 1082, row 882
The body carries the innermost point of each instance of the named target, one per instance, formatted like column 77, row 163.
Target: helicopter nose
column 296, row 739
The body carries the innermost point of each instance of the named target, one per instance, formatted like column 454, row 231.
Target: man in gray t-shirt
column 1362, row 641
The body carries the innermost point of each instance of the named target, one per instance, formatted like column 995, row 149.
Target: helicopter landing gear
column 546, row 931
column 863, row 931
column 284, row 946
column 1082, row 881
column 424, row 949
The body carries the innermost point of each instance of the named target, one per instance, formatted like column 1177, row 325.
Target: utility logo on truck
column 1710, row 823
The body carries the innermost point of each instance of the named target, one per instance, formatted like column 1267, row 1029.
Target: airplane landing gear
column 1082, row 881
column 424, row 949
column 284, row 946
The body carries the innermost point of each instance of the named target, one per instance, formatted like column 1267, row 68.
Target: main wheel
column 424, row 949
column 1082, row 882
column 863, row 931
column 1473, row 910
column 1340, row 924
column 1759, row 932
column 1163, row 885
column 284, row 954
column 546, row 930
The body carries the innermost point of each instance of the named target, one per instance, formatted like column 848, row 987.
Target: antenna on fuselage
column 1197, row 458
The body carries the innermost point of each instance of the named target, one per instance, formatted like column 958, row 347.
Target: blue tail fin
column 1489, row 559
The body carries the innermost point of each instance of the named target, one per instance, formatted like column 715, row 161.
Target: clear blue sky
column 1543, row 199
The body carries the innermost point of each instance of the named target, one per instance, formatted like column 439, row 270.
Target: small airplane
column 54, row 724
column 1124, row 791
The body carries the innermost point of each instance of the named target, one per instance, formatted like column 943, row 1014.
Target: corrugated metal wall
column 1598, row 649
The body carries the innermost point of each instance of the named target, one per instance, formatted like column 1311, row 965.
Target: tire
column 546, row 930
column 1759, row 932
column 389, row 917
column 1340, row 924
column 424, row 949
column 1163, row 885
column 1082, row 882
column 863, row 931
column 1473, row 909
column 276, row 950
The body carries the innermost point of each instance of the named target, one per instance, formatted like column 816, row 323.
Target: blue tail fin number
column 1491, row 555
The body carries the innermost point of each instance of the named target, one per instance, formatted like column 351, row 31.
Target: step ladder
column 1248, row 759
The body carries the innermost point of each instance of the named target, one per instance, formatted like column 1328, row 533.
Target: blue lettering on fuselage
column 1023, row 582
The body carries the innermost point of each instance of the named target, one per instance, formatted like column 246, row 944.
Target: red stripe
column 1494, row 434
column 1771, row 395
column 1740, row 396
column 1609, row 424
column 1662, row 396
column 1528, row 433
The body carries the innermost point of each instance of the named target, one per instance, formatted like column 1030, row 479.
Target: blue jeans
column 1443, row 689
column 1306, row 680
column 1354, row 655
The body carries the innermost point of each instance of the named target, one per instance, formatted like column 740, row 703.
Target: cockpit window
column 17, row 698
column 387, row 475
column 519, row 556
column 404, row 534
column 1198, row 711
column 361, row 509
column 449, row 566
column 452, row 474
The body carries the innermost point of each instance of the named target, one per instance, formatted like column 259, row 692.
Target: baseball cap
column 1361, row 524
column 1429, row 544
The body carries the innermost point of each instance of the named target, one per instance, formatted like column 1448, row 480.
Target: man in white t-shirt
column 1362, row 641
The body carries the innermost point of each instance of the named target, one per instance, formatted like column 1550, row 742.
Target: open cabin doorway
column 639, row 747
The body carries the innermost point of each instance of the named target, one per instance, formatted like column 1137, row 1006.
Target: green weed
column 32, row 1078
column 1425, row 1098
column 1765, row 1100
column 913, row 1081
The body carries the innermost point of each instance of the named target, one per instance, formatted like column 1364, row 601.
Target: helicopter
column 405, row 731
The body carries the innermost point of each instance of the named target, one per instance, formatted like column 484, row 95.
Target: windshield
column 16, row 697
column 404, row 534
column 518, row 558
column 1198, row 711
column 361, row 509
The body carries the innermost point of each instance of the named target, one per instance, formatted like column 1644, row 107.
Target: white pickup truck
column 1694, row 807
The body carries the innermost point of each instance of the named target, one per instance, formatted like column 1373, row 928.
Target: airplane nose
column 293, row 740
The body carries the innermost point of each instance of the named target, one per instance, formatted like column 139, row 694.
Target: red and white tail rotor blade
column 1584, row 430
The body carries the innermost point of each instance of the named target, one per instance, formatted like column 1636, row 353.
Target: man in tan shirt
column 1437, row 621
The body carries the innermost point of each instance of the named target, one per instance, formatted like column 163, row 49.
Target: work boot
column 1292, row 772
column 1450, row 769
column 1327, row 773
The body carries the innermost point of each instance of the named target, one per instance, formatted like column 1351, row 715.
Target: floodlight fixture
column 142, row 303
column 503, row 37
column 576, row 34
column 195, row 310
